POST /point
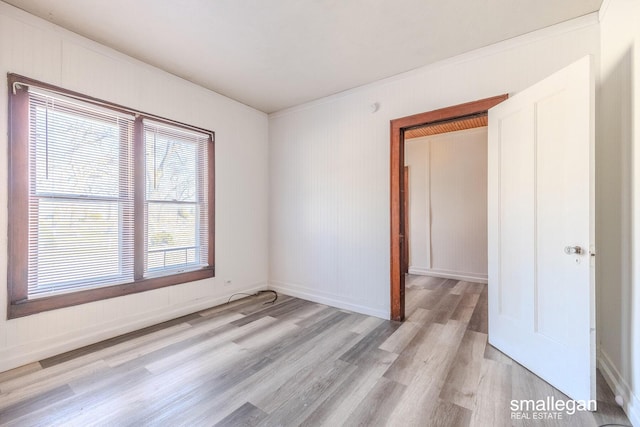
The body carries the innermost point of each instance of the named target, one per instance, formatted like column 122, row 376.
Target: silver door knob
column 570, row 250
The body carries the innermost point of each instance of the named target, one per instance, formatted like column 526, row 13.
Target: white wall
column 416, row 158
column 448, row 205
column 37, row 49
column 618, row 201
column 329, row 163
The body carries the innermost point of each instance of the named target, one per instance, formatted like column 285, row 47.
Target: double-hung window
column 103, row 200
column 176, row 203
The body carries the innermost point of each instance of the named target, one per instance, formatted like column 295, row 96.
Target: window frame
column 18, row 304
column 199, row 199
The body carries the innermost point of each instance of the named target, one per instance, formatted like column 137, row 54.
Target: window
column 175, row 199
column 104, row 201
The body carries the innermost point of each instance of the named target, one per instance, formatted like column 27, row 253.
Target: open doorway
column 446, row 203
column 541, row 227
column 399, row 129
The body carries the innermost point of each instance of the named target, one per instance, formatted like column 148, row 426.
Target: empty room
column 320, row 213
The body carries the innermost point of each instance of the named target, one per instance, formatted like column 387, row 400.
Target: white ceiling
column 279, row 53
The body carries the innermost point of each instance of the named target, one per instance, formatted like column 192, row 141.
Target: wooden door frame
column 398, row 128
column 405, row 226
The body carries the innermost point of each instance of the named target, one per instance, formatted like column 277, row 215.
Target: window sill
column 28, row 307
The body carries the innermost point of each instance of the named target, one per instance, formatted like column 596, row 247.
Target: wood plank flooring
column 294, row 363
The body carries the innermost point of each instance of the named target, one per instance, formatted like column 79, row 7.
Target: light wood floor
column 293, row 363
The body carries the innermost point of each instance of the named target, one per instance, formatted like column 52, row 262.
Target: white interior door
column 541, row 203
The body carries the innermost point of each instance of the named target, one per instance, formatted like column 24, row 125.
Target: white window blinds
column 81, row 196
column 176, row 199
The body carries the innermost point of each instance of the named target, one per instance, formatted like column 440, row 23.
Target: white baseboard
column 620, row 387
column 17, row 356
column 327, row 299
column 467, row 277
